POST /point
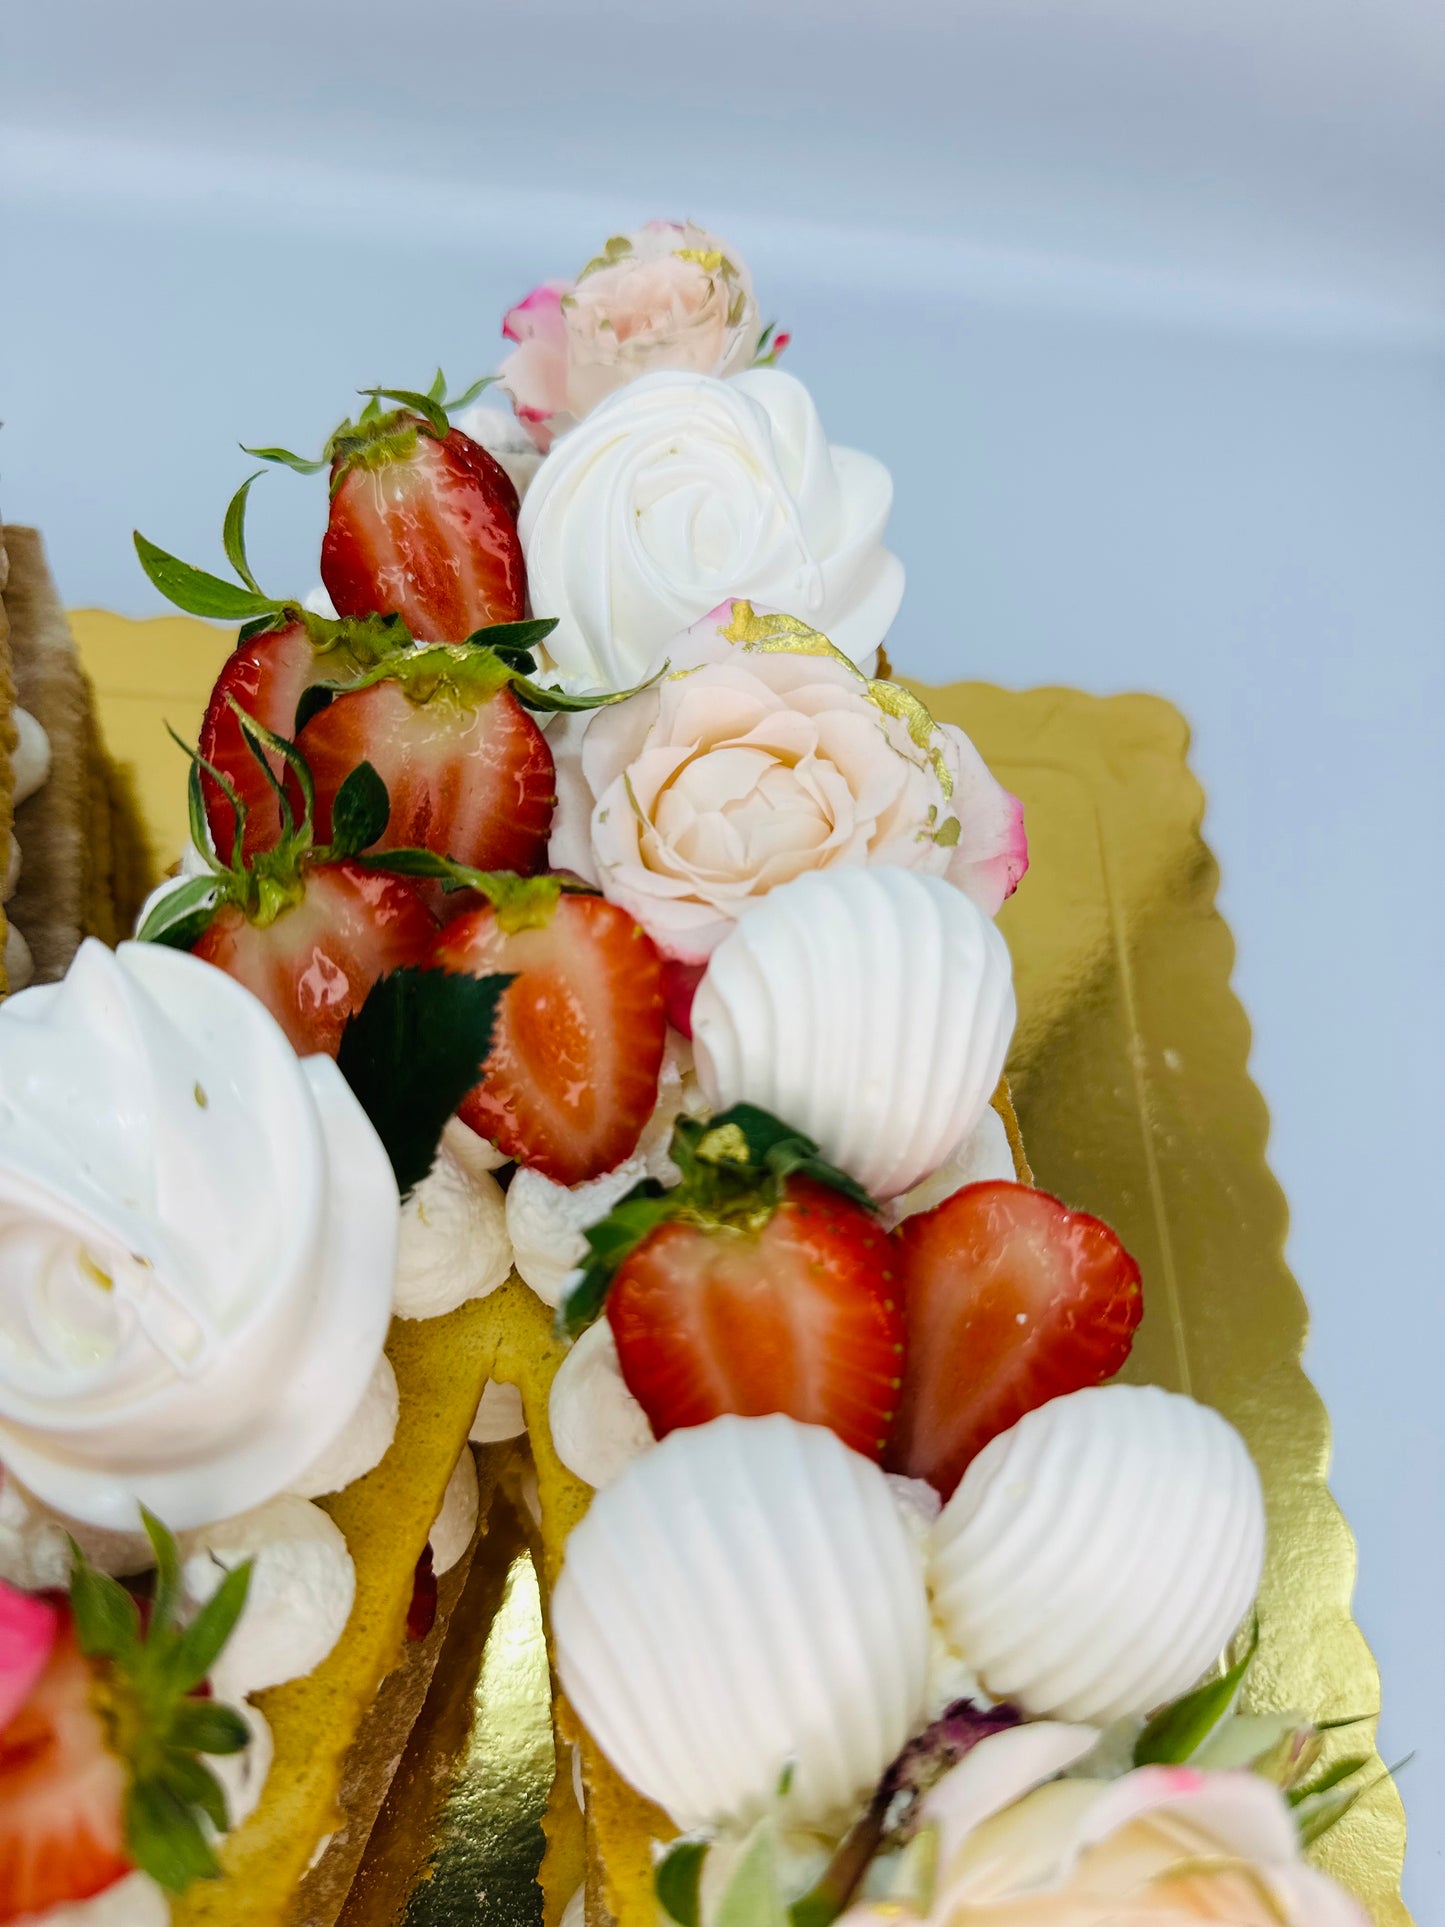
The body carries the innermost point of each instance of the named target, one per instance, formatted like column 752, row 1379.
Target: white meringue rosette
column 453, row 1243
column 681, row 489
column 871, row 1009
column 743, row 1600
column 196, row 1300
column 1098, row 1556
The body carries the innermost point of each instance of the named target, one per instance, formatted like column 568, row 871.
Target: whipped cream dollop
column 452, row 1528
column 30, row 758
column 363, row 1442
column 871, row 1008
column 680, row 490
column 302, row 1588
column 743, row 1597
column 453, row 1243
column 499, row 1414
column 1097, row 1557
column 197, row 1243
column 598, row 1428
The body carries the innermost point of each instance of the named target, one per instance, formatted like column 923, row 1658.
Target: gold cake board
column 1130, row 1075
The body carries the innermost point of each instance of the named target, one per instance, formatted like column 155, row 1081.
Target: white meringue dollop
column 680, row 490
column 19, row 963
column 197, row 1235
column 452, row 1528
column 1098, row 1556
column 499, row 1414
column 303, row 1585
column 597, row 1426
column 742, row 1598
column 363, row 1442
column 453, row 1243
column 871, row 1008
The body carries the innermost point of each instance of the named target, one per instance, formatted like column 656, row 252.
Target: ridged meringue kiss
column 744, row 1598
column 197, row 1239
column 869, row 1007
column 1097, row 1557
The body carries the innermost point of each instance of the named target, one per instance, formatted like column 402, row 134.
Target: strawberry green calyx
column 500, row 657
column 735, row 1169
column 378, row 436
column 265, row 885
column 147, row 1678
column 521, row 903
column 362, row 641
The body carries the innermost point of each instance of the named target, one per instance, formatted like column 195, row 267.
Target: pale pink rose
column 763, row 753
column 1161, row 1847
column 670, row 296
column 28, row 1626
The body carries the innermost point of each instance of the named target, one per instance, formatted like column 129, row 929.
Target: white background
column 1143, row 303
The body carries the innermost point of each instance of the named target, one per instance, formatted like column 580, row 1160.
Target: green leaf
column 196, row 592
column 206, row 1726
column 632, row 1219
column 233, row 533
column 752, row 1897
column 311, row 702
column 194, row 1783
column 1177, row 1732
column 509, row 637
column 284, row 456
column 360, row 813
column 1314, row 1817
column 438, row 390
column 201, row 1643
column 260, row 740
column 107, row 1619
column 183, row 915
column 1329, row 1779
column 164, row 1838
column 677, row 1877
column 534, row 696
column 411, row 1054
column 468, row 395
column 167, row 1592
column 431, row 412
column 196, row 805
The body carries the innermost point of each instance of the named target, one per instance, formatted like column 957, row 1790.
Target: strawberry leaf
column 196, row 592
column 311, row 702
column 609, row 1242
column 167, row 1593
column 284, row 456
column 164, row 1838
column 360, row 813
column 511, row 639
column 198, row 1786
column 107, row 1619
column 200, row 1644
column 533, row 696
column 206, row 1726
column 677, row 1878
column 1176, row 1733
column 233, row 533
column 430, row 409
column 183, row 915
column 411, row 1054
column 468, row 395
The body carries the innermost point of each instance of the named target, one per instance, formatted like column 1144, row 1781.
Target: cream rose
column 670, row 295
column 1161, row 1847
column 764, row 753
column 681, row 490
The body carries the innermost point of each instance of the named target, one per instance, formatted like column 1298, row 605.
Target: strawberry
column 99, row 1769
column 423, row 521
column 468, row 771
column 307, row 929
column 281, row 651
column 1011, row 1300
column 572, row 1074
column 762, row 1282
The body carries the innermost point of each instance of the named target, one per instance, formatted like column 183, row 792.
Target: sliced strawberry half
column 799, row 1316
column 306, row 928
column 100, row 1768
column 423, row 526
column 62, row 1792
column 572, row 1075
column 1011, row 1300
column 313, row 964
column 469, row 773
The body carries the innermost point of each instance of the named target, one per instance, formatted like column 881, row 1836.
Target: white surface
column 1145, row 307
